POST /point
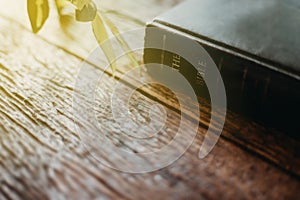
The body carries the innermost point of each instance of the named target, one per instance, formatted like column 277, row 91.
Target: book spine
column 252, row 89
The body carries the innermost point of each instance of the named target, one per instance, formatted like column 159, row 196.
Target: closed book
column 255, row 45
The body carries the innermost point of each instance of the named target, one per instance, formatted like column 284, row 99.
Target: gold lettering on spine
column 176, row 62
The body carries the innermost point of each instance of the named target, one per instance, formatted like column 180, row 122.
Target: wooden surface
column 42, row 156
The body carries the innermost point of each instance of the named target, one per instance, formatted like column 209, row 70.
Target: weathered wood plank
column 41, row 154
column 265, row 142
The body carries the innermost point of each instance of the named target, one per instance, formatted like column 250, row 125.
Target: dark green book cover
column 256, row 46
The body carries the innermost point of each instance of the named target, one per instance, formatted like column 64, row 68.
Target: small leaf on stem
column 87, row 13
column 38, row 12
column 101, row 36
column 121, row 41
column 80, row 3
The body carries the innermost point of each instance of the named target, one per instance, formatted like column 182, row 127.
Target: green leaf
column 60, row 4
column 65, row 10
column 81, row 3
column 38, row 12
column 87, row 13
column 121, row 41
column 102, row 39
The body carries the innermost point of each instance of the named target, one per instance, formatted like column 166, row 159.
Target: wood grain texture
column 78, row 40
column 43, row 157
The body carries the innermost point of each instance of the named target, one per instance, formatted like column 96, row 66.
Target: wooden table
column 43, row 157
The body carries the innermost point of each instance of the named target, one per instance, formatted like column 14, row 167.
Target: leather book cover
column 258, row 44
